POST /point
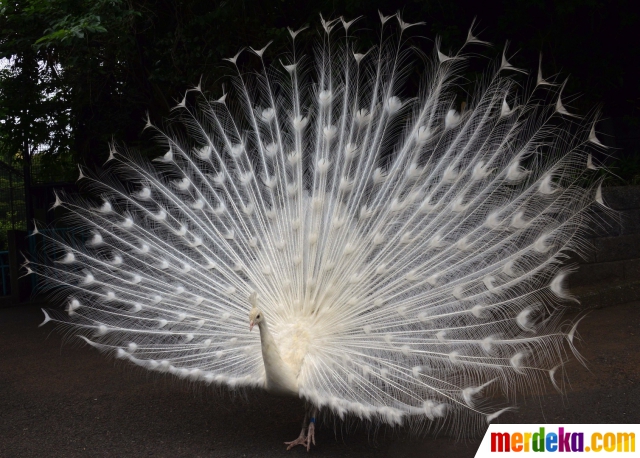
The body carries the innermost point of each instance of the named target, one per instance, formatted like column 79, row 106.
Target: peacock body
column 406, row 255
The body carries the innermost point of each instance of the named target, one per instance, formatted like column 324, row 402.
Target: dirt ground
column 61, row 399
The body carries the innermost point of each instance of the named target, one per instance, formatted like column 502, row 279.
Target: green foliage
column 84, row 72
column 70, row 27
column 8, row 223
column 34, row 105
column 624, row 171
column 53, row 168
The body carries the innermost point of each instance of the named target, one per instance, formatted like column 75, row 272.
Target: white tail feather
column 400, row 248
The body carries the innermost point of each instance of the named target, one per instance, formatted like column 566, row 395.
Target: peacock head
column 255, row 317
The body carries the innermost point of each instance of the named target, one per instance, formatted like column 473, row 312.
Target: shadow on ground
column 60, row 399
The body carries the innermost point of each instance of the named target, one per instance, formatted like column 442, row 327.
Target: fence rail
column 5, row 278
column 13, row 210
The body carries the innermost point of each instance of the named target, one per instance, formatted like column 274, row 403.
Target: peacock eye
column 258, row 317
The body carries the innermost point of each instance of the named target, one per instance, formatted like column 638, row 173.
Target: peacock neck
column 279, row 376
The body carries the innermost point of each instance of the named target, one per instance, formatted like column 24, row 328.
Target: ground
column 62, row 399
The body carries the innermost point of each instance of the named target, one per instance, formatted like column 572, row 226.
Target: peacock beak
column 251, row 323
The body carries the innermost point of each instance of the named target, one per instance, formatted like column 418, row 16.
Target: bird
column 400, row 249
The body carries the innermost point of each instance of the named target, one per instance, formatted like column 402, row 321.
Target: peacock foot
column 301, row 440
column 304, row 439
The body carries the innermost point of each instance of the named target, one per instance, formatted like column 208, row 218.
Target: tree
column 81, row 73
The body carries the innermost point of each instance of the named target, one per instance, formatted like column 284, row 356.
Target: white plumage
column 405, row 254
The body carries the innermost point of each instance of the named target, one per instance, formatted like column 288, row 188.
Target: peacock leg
column 307, row 434
column 311, row 431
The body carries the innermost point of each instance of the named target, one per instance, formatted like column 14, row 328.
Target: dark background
column 59, row 398
column 84, row 72
column 78, row 74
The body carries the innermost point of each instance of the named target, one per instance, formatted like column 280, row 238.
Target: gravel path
column 61, row 399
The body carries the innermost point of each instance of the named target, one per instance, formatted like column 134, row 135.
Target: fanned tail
column 421, row 246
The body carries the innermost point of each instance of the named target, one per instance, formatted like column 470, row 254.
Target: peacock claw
column 301, row 440
column 311, row 435
column 304, row 439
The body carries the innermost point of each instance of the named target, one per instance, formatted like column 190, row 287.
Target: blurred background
column 76, row 75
